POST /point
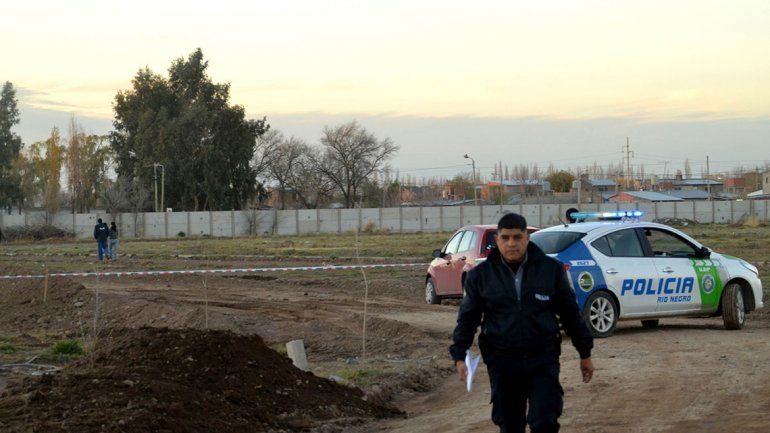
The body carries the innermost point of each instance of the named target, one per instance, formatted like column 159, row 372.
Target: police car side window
column 624, row 243
column 665, row 244
column 451, row 247
column 602, row 245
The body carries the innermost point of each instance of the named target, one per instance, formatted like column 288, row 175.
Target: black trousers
column 517, row 380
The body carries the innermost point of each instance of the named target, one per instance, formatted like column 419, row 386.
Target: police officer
column 518, row 295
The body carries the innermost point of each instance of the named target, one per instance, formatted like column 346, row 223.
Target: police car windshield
column 554, row 242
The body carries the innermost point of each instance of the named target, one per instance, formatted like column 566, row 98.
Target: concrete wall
column 404, row 220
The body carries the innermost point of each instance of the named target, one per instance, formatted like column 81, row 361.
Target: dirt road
column 689, row 375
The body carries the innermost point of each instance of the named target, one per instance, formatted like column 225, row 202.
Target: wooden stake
column 45, row 286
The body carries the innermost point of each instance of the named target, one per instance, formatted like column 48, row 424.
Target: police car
column 625, row 269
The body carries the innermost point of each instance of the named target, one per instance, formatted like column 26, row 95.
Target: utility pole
column 155, row 181
column 475, row 193
column 708, row 179
column 382, row 176
column 162, row 184
column 501, row 183
column 628, row 154
column 579, row 188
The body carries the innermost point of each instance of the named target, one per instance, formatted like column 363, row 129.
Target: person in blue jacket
column 518, row 296
column 101, row 234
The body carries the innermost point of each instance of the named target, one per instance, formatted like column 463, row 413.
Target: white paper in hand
column 471, row 362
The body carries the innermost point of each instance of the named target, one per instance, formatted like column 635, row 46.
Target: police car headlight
column 750, row 267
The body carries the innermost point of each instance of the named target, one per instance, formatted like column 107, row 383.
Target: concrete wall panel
column 370, row 218
column 329, row 222
column 391, row 220
column 412, row 222
column 431, row 222
column 722, row 212
column 308, row 221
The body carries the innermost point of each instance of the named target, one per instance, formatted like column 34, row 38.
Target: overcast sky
column 517, row 81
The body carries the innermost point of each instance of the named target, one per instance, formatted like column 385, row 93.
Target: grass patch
column 64, row 350
column 326, row 246
column 281, row 350
column 7, row 348
column 367, row 375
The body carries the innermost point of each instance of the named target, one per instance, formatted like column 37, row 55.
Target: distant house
column 599, row 190
column 603, row 185
column 764, row 193
column 283, row 198
column 688, row 194
column 454, row 191
column 680, row 184
column 525, row 187
column 470, row 202
column 736, row 185
column 642, row 196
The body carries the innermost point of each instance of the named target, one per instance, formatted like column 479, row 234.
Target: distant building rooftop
column 651, row 196
column 526, row 182
column 692, row 182
column 602, row 182
column 695, row 194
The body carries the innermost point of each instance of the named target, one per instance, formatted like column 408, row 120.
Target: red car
column 467, row 247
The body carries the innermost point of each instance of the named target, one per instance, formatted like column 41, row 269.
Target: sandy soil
column 689, row 375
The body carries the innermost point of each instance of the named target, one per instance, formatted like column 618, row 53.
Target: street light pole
column 475, row 193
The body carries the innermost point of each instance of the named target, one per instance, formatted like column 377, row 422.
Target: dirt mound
column 27, row 306
column 157, row 379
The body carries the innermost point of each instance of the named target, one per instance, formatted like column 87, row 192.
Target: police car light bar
column 582, row 216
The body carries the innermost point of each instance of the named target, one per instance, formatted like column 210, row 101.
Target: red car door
column 460, row 262
column 442, row 266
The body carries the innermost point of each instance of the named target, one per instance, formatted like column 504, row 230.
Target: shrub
column 35, row 232
column 69, row 347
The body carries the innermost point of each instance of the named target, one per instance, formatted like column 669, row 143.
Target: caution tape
column 212, row 271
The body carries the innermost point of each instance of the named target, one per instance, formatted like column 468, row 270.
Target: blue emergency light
column 619, row 215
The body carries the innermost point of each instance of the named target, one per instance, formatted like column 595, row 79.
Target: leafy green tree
column 47, row 157
column 561, row 181
column 186, row 124
column 23, row 174
column 10, row 145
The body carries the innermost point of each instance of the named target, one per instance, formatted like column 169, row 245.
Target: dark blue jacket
column 101, row 232
column 508, row 325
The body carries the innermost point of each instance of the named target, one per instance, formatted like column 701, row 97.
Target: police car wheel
column 430, row 292
column 650, row 324
column 733, row 308
column 601, row 314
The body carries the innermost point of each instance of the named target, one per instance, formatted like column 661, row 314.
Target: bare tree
column 117, row 198
column 350, row 156
column 312, row 186
column 264, row 151
column 87, row 160
column 285, row 155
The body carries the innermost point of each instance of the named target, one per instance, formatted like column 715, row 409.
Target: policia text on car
column 518, row 296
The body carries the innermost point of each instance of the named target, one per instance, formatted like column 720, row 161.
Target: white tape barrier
column 214, row 271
